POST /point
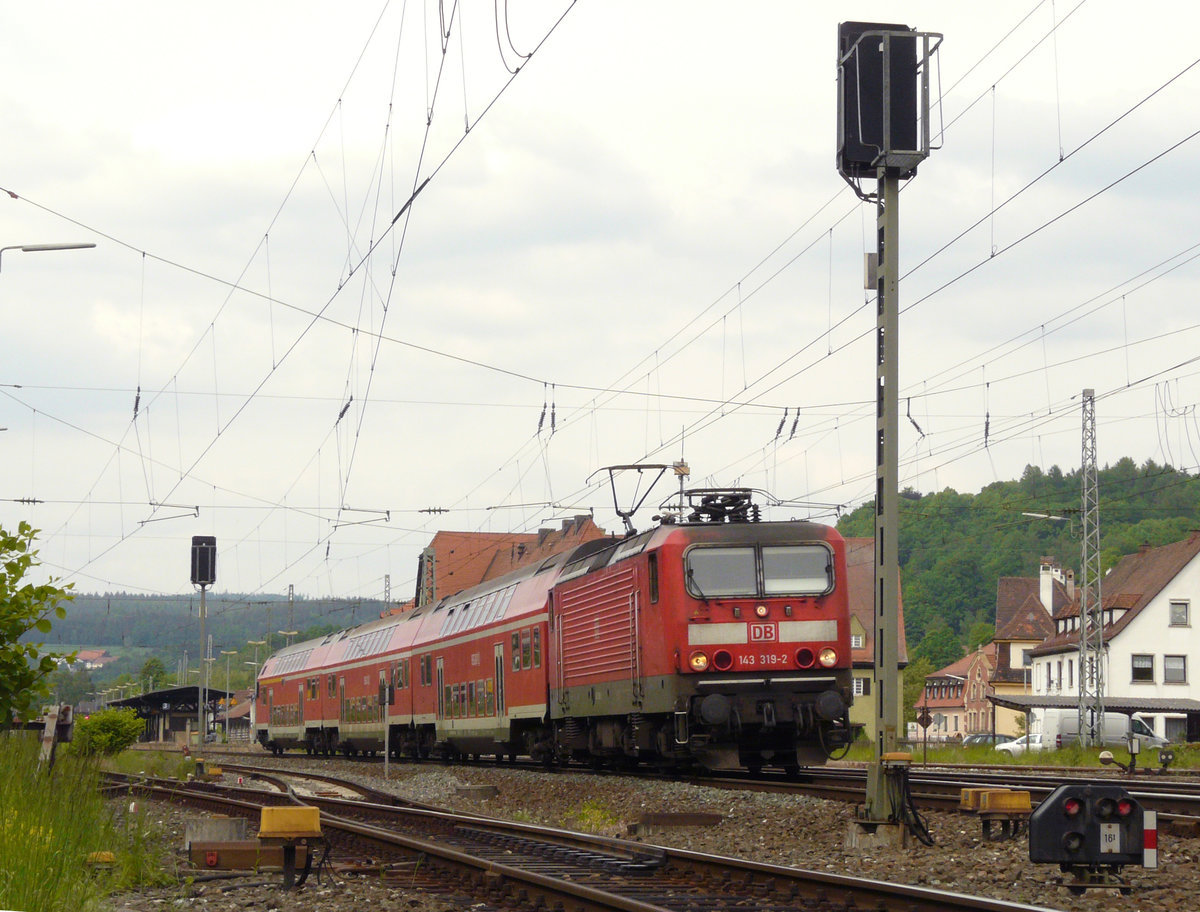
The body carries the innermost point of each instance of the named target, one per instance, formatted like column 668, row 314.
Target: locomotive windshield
column 735, row 571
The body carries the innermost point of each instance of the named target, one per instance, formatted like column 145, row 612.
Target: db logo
column 763, row 633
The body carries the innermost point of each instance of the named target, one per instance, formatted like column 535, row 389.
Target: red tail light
column 805, row 657
column 722, row 660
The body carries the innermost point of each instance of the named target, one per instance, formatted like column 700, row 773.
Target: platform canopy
column 182, row 699
column 1154, row 705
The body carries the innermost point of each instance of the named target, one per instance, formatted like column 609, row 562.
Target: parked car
column 985, row 738
column 1022, row 744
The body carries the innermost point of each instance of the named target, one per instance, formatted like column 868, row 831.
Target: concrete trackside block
column 213, row 829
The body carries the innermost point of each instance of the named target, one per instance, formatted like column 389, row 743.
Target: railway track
column 476, row 860
column 1173, row 796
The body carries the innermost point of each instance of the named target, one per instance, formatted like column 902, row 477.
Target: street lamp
column 289, row 634
column 33, row 248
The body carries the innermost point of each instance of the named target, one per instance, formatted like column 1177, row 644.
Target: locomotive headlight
column 698, row 661
column 760, row 610
column 827, row 657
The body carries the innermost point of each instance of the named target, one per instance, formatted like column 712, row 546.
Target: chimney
column 1071, row 585
column 1046, row 583
column 1143, row 547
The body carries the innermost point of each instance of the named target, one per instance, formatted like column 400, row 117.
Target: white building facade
column 1149, row 603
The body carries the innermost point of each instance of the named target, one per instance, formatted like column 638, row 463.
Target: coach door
column 441, row 695
column 300, row 704
column 499, row 679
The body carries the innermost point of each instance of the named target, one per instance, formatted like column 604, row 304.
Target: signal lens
column 698, row 661
column 828, row 657
column 1071, row 807
column 1124, row 807
column 760, row 610
column 1105, row 808
column 1072, row 842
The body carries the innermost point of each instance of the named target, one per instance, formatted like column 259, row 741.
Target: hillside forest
column 955, row 547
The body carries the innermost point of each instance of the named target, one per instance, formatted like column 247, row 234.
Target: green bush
column 107, row 732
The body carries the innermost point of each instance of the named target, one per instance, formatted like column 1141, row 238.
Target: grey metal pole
column 200, row 684
column 879, row 801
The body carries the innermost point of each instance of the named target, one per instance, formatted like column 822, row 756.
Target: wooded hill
column 954, row 547
column 170, row 624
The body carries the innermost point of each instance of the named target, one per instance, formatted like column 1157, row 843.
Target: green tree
column 940, row 646
column 914, row 686
column 24, row 607
column 980, row 634
column 107, row 732
column 153, row 673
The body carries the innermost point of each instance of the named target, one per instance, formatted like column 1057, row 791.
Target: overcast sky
column 639, row 242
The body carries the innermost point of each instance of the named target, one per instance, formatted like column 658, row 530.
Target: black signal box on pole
column 872, row 121
column 204, row 560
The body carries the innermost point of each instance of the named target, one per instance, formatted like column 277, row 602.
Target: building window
column 856, row 641
column 1026, row 658
column 1175, row 669
column 862, row 687
column 1143, row 668
column 1179, row 614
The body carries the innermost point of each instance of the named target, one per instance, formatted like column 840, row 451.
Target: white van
column 1060, row 728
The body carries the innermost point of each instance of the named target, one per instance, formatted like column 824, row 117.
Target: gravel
column 802, row 832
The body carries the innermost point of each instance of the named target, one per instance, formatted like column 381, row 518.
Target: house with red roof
column 454, row 561
column 956, row 697
column 1151, row 636
column 1025, row 607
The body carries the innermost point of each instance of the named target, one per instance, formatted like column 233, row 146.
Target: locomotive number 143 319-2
column 763, row 659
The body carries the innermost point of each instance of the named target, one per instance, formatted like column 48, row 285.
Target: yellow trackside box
column 290, row 823
column 968, row 798
column 1004, row 801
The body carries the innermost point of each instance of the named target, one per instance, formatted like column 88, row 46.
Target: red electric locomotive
column 714, row 640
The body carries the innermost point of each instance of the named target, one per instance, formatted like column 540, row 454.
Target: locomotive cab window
column 797, row 570
column 721, row 571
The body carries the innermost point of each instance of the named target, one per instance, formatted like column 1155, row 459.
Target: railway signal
column 1092, row 831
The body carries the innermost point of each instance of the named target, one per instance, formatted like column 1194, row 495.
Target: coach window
column 713, row 572
column 526, row 650
column 332, row 686
column 797, row 570
column 537, row 647
column 470, row 698
column 516, row 652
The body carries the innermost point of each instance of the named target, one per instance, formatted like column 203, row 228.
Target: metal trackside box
column 290, row 823
column 1089, row 825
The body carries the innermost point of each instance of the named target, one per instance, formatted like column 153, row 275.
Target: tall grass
column 51, row 821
